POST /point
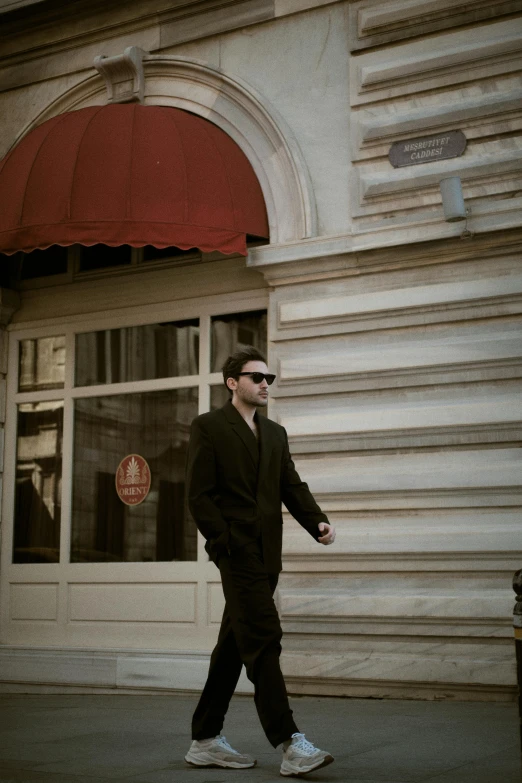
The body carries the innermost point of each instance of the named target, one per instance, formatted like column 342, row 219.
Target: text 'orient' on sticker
column 133, row 479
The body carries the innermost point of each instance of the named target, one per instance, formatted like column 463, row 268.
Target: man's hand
column 328, row 532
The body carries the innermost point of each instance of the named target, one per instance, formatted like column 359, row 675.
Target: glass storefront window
column 44, row 263
column 127, row 482
column 232, row 332
column 38, row 482
column 151, row 253
column 41, row 364
column 101, row 256
column 151, row 425
column 137, row 353
column 218, row 396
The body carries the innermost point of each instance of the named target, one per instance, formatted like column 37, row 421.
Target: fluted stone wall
column 402, row 407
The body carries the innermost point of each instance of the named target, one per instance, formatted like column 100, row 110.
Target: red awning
column 129, row 175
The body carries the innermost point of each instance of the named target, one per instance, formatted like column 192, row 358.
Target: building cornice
column 320, row 258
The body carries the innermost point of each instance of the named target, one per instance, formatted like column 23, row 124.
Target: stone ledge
column 106, row 671
column 301, row 685
column 403, row 562
column 413, row 439
column 476, row 169
column 404, row 244
column 469, row 112
column 491, row 667
column 311, row 630
column 437, row 498
column 366, row 311
column 375, row 24
column 402, row 377
column 451, row 58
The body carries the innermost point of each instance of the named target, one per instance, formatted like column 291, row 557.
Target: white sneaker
column 216, row 752
column 301, row 757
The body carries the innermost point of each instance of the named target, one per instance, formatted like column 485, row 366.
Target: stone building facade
column 395, row 336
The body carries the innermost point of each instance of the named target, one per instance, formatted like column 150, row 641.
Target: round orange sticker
column 133, row 479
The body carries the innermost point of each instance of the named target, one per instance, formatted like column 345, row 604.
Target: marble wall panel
column 485, row 165
column 179, row 671
column 409, row 602
column 490, row 666
column 359, row 310
column 33, row 601
column 477, row 114
column 420, row 532
column 339, row 634
column 49, row 666
column 187, row 27
column 348, row 585
column 358, row 294
column 469, row 469
column 142, row 603
column 445, row 417
column 157, row 673
column 424, row 498
column 399, row 358
column 91, row 671
column 451, row 58
column 374, row 23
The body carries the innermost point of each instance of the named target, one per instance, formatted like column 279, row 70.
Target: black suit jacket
column 236, row 485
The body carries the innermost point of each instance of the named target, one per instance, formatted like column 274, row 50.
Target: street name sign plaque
column 427, row 149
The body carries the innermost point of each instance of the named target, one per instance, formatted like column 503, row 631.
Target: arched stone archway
column 242, row 113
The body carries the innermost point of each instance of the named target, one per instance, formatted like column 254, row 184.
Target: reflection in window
column 38, row 483
column 218, row 397
column 137, row 353
column 43, row 263
column 230, row 333
column 102, row 256
column 151, row 253
column 41, row 364
column 154, row 425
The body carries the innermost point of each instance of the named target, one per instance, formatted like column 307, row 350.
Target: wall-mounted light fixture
column 453, row 202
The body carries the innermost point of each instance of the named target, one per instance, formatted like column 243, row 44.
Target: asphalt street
column 49, row 738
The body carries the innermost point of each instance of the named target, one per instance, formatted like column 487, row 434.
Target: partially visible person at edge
column 239, row 471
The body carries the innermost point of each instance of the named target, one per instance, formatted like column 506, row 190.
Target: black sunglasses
column 258, row 377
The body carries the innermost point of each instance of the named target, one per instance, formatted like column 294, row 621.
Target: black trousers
column 250, row 634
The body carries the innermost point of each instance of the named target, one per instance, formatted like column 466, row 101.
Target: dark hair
column 235, row 363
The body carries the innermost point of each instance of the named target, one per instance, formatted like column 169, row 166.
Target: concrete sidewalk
column 142, row 739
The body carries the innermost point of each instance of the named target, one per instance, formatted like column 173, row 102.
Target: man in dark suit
column 239, row 471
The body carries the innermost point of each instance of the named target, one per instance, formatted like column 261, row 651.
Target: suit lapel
column 242, row 431
column 266, row 445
